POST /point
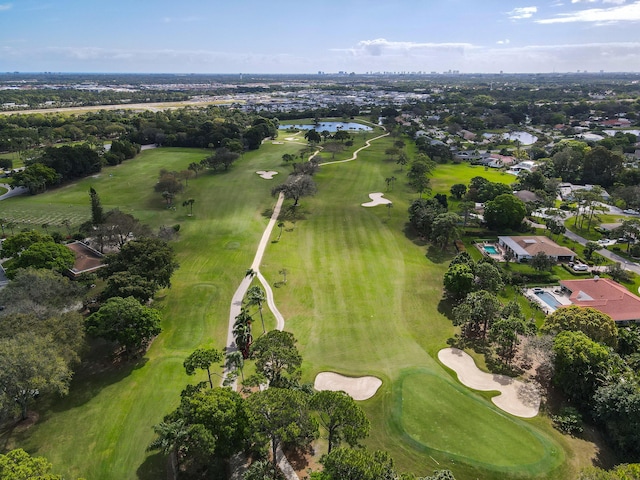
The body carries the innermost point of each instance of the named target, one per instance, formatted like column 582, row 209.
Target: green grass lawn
column 361, row 298
column 455, row 415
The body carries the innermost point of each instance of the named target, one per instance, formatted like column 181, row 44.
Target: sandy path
column 367, row 144
column 517, row 398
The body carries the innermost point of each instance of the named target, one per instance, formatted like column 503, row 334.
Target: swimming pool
column 490, row 249
column 549, row 299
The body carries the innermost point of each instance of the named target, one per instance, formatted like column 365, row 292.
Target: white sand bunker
column 268, row 175
column 376, row 199
column 358, row 388
column 277, row 143
column 517, row 398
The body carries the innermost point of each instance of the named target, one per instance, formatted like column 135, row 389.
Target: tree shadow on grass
column 412, row 235
column 90, row 379
column 437, row 255
column 153, row 468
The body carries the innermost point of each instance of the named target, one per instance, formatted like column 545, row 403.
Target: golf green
column 441, row 416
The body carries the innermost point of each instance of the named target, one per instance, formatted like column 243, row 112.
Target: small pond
column 524, row 137
column 331, row 127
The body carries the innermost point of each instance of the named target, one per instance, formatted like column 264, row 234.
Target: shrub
column 568, row 421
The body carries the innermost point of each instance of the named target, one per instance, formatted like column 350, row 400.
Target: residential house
column 88, row 260
column 524, row 248
column 605, row 296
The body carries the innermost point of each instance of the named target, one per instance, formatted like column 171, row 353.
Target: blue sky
column 283, row 36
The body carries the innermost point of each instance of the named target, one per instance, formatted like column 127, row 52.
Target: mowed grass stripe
column 370, row 306
column 108, row 416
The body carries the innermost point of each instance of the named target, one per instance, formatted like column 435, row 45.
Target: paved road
column 12, row 191
column 632, row 266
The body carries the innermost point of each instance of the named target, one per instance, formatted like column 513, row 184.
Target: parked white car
column 581, row 267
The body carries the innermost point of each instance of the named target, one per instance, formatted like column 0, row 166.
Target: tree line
column 213, row 423
column 581, row 352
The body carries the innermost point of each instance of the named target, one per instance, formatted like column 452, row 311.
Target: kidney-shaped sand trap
column 268, row 175
column 358, row 388
column 376, row 199
column 517, row 398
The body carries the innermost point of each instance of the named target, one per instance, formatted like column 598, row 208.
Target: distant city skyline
column 248, row 36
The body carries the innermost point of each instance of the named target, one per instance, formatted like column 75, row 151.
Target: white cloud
column 522, row 12
column 381, row 46
column 5, row 6
column 506, row 41
column 621, row 13
column 369, row 55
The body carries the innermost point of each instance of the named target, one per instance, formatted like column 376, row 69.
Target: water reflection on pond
column 330, row 127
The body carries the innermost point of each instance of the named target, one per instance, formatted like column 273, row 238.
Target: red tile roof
column 606, row 296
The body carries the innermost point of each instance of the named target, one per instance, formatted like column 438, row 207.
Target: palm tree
column 284, row 272
column 280, row 226
column 171, row 437
column 389, row 207
column 2, row 222
column 389, row 181
column 256, row 296
column 242, row 332
column 243, row 338
column 235, row 361
column 189, row 203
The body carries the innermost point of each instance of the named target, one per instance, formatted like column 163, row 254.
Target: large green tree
column 343, row 419
column 125, row 321
column 15, row 244
column 357, row 464
column 39, row 292
column 459, row 280
column 281, row 416
column 598, row 326
column 295, row 187
column 45, row 255
column 202, row 359
column 31, row 366
column 208, row 427
column 19, row 465
column 579, row 365
column 617, row 408
column 506, row 211
column 477, row 312
column 277, row 358
column 445, row 228
column 151, row 258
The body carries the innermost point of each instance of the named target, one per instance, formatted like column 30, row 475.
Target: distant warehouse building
column 524, row 248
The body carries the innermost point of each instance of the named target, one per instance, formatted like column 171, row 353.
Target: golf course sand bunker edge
column 517, row 398
column 376, row 199
column 358, row 388
column 267, row 175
